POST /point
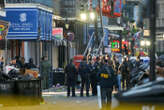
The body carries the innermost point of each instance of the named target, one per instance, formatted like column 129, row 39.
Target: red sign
column 111, row 9
column 77, row 60
column 57, row 33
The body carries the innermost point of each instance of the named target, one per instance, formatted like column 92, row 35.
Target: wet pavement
column 54, row 99
column 61, row 101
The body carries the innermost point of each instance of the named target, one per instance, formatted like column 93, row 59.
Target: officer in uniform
column 71, row 75
column 125, row 69
column 84, row 74
column 106, row 80
column 93, row 77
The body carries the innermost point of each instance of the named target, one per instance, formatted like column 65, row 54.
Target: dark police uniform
column 106, row 80
column 125, row 69
column 84, row 73
column 71, row 73
column 93, row 78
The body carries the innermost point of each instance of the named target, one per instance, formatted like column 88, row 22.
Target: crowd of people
column 91, row 69
column 107, row 72
column 19, row 62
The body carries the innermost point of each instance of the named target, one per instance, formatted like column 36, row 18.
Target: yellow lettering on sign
column 104, row 75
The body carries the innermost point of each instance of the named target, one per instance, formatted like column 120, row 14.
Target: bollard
column 99, row 96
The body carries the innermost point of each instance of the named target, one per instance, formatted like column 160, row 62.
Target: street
column 59, row 101
column 81, row 54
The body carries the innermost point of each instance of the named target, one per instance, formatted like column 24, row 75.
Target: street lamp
column 145, row 44
column 83, row 16
column 142, row 43
column 67, row 26
column 86, row 18
column 92, row 16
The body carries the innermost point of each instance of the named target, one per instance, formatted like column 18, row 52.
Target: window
column 2, row 4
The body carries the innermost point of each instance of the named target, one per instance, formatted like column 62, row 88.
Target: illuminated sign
column 146, row 32
column 2, row 27
column 57, row 33
column 115, row 44
column 115, row 50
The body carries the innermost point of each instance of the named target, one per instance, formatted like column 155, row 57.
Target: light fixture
column 83, row 16
column 147, row 43
column 67, row 26
column 92, row 16
column 142, row 43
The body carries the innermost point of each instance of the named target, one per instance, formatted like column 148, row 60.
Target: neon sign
column 116, row 50
column 2, row 27
column 115, row 44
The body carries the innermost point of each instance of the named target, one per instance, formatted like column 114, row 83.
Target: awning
column 63, row 42
column 28, row 23
column 58, row 42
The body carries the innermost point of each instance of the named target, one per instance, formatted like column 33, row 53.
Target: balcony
column 20, row 1
column 133, row 0
column 49, row 3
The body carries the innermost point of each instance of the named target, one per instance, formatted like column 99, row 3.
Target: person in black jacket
column 93, row 76
column 106, row 80
column 125, row 70
column 71, row 74
column 30, row 64
column 84, row 74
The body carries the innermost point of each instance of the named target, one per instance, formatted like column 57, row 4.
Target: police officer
column 71, row 75
column 84, row 74
column 106, row 81
column 125, row 70
column 93, row 77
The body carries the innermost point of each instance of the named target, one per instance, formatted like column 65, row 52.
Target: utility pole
column 120, row 39
column 152, row 39
column 96, row 32
column 101, row 22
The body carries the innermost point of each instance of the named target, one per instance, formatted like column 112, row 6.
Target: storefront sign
column 116, row 50
column 23, row 23
column 115, row 44
column 57, row 33
column 146, row 33
column 29, row 23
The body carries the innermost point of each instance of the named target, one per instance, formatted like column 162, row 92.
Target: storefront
column 30, row 31
column 63, row 47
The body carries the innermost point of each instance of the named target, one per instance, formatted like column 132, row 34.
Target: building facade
column 30, row 30
column 160, row 27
